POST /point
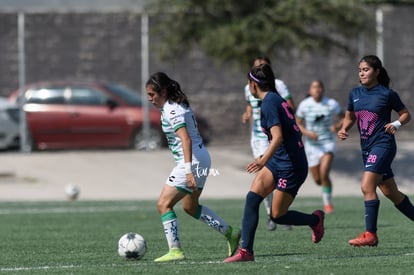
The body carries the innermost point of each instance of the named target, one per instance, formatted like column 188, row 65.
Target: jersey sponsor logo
column 368, row 165
column 172, row 112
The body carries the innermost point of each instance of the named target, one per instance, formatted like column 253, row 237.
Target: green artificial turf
column 81, row 238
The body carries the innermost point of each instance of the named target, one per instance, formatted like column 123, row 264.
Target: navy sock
column 297, row 218
column 250, row 220
column 371, row 215
column 406, row 207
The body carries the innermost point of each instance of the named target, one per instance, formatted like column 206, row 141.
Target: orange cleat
column 365, row 239
column 329, row 209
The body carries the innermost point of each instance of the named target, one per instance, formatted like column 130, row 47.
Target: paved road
column 117, row 174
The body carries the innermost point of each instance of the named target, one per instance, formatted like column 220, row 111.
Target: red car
column 68, row 114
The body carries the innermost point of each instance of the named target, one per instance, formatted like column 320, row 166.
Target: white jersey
column 173, row 117
column 318, row 118
column 255, row 103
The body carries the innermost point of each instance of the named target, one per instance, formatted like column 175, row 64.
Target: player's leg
column 324, row 170
column 282, row 215
column 370, row 181
column 168, row 198
column 271, row 226
column 202, row 213
column 262, row 185
column 259, row 147
column 401, row 201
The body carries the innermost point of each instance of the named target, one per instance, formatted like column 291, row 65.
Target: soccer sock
column 209, row 217
column 371, row 215
column 250, row 220
column 268, row 203
column 406, row 207
column 327, row 195
column 170, row 224
column 297, row 218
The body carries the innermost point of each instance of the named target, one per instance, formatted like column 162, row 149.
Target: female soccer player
column 318, row 118
column 258, row 140
column 188, row 177
column 370, row 105
column 282, row 168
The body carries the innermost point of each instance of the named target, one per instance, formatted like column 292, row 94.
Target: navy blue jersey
column 372, row 108
column 291, row 153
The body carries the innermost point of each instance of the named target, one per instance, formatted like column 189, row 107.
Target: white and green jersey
column 173, row 117
column 318, row 118
column 255, row 103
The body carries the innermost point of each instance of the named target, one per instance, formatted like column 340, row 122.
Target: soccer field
column 81, row 238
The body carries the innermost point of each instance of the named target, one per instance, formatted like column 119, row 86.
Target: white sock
column 327, row 198
column 170, row 224
column 268, row 203
column 209, row 217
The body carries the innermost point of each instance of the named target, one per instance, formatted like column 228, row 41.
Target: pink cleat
column 318, row 230
column 242, row 255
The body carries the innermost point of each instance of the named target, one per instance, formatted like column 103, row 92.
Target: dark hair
column 374, row 62
column 160, row 81
column 261, row 57
column 263, row 76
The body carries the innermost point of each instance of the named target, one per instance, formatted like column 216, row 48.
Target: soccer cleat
column 242, row 256
column 318, row 229
column 175, row 254
column 233, row 237
column 365, row 239
column 329, row 209
column 287, row 227
column 271, row 225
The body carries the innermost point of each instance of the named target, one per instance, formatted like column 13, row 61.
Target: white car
column 9, row 124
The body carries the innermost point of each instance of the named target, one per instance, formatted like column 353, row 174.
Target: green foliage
column 81, row 238
column 237, row 30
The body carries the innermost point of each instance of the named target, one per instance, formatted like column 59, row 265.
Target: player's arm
column 404, row 118
column 347, row 123
column 247, row 113
column 291, row 104
column 338, row 123
column 186, row 142
column 277, row 139
column 310, row 134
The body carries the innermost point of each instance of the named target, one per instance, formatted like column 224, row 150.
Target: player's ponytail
column 160, row 81
column 263, row 76
column 375, row 62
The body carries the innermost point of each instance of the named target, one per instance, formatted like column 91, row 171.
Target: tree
column 237, row 30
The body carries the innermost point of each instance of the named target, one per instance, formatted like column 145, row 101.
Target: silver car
column 9, row 124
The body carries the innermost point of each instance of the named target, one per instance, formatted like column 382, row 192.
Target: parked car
column 71, row 114
column 78, row 114
column 9, row 124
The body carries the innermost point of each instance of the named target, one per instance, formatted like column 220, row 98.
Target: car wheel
column 155, row 140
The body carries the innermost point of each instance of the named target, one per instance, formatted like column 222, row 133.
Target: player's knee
column 318, row 182
column 278, row 219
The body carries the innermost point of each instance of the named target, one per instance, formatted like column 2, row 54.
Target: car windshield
column 132, row 98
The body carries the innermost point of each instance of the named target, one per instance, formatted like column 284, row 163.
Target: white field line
column 150, row 263
column 63, row 210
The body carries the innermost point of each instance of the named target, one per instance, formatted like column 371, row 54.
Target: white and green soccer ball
column 132, row 246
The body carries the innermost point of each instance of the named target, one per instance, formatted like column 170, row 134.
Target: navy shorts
column 289, row 180
column 378, row 160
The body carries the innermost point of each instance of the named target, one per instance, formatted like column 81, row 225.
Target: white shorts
column 259, row 146
column 315, row 152
column 201, row 168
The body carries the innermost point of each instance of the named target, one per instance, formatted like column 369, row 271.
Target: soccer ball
column 132, row 246
column 72, row 192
